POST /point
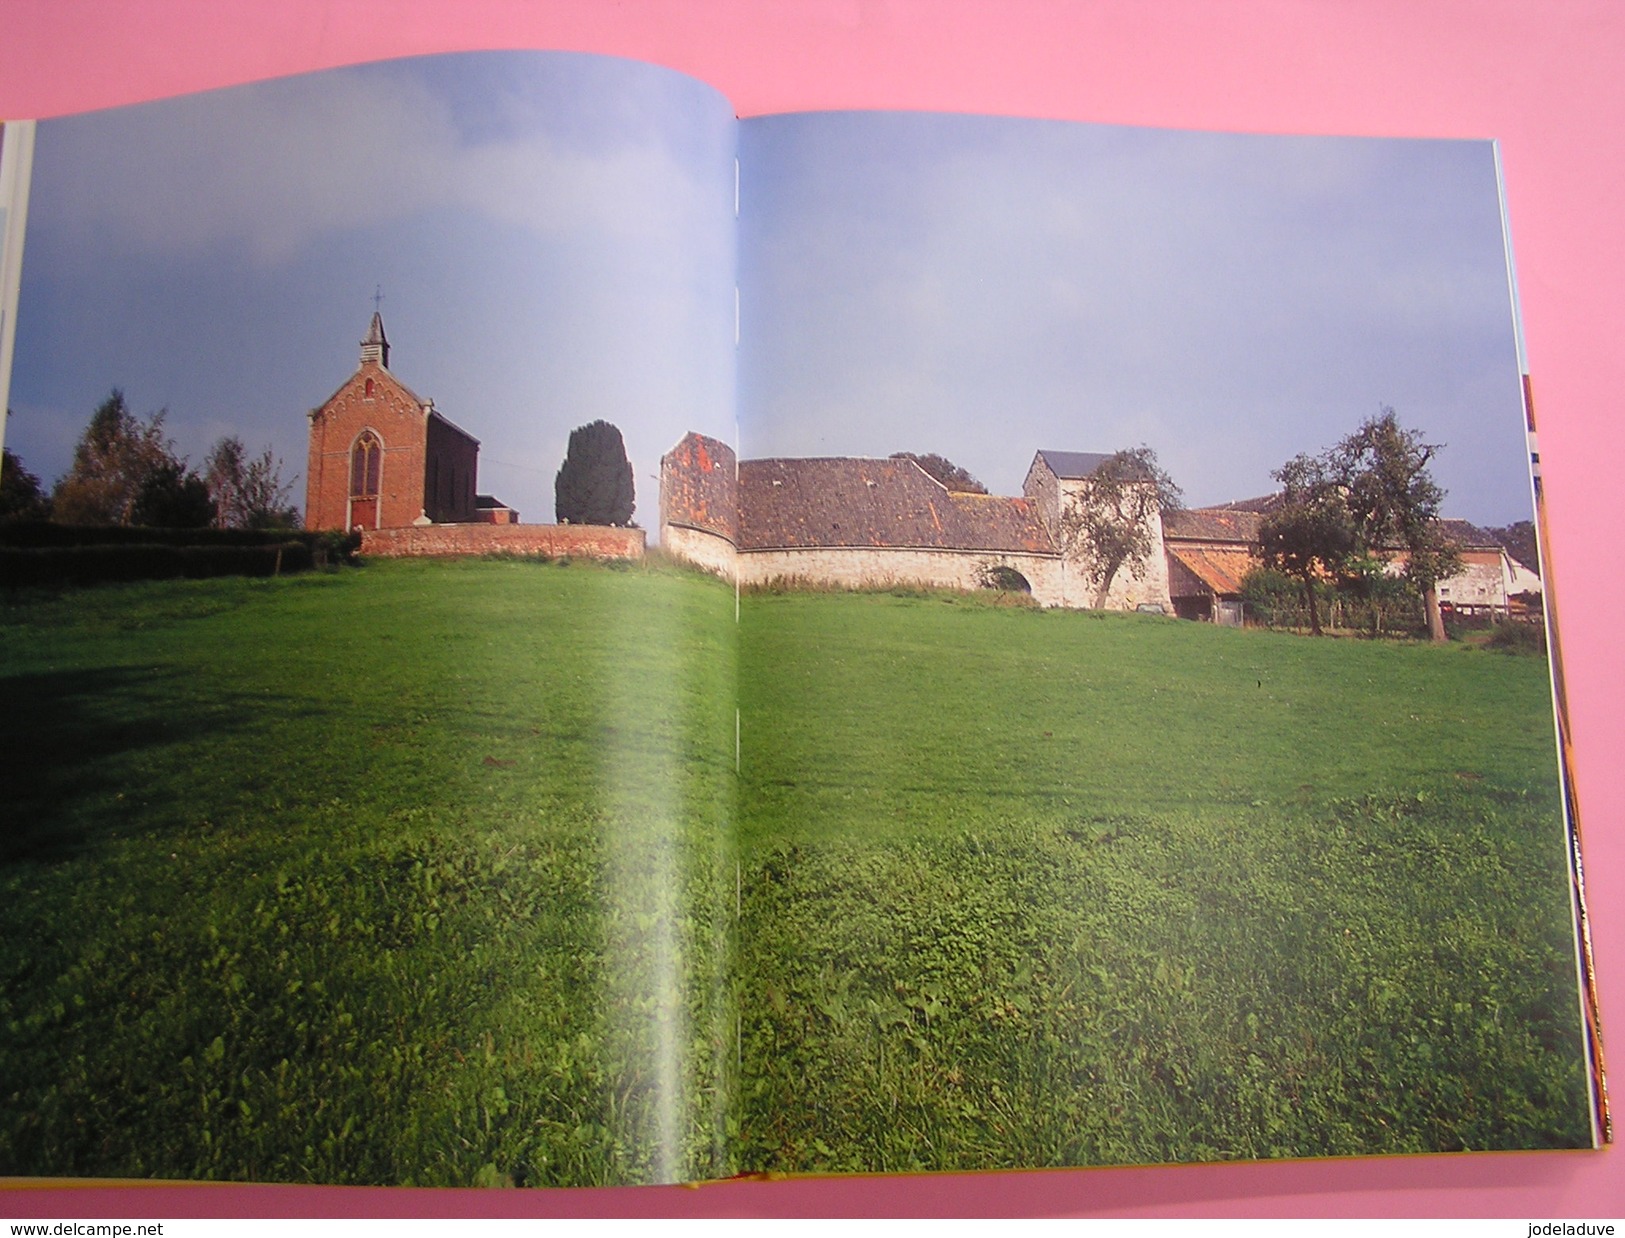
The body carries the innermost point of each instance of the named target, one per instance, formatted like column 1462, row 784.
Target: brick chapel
column 382, row 458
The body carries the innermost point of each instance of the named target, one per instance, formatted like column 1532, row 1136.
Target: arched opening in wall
column 1004, row 578
column 366, row 473
column 367, row 394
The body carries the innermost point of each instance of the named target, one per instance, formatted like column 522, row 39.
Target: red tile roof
column 1222, row 571
column 846, row 502
column 697, row 486
column 1212, row 524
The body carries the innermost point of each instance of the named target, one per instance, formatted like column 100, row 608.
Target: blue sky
column 554, row 237
column 552, row 234
column 983, row 288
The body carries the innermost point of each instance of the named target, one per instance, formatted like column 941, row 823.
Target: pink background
column 1547, row 80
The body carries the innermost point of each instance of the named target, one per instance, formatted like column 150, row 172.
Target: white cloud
column 267, row 171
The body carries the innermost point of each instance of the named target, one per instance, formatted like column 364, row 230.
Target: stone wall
column 584, row 541
column 1482, row 581
column 709, row 551
column 861, row 567
column 1146, row 585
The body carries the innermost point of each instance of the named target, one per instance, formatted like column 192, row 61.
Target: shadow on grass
column 71, row 739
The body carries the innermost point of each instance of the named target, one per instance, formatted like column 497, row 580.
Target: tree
column 21, row 496
column 1394, row 503
column 1309, row 533
column 944, row 470
column 172, row 497
column 115, row 459
column 247, row 493
column 1110, row 522
column 594, row 484
column 1521, row 542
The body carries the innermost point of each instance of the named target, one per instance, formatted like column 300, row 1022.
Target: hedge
column 39, row 553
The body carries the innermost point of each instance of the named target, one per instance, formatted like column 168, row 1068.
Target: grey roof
column 1076, row 465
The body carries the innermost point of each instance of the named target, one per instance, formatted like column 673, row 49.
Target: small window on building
column 368, row 392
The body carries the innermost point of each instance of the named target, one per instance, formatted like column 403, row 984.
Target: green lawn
column 1046, row 888
column 375, row 876
column 390, row 875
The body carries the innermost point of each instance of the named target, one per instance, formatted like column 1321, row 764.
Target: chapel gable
column 382, row 457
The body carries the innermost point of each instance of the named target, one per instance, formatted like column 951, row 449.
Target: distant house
column 1212, row 549
column 1490, row 578
column 381, row 457
column 853, row 521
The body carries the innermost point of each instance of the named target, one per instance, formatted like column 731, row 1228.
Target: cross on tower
column 377, row 297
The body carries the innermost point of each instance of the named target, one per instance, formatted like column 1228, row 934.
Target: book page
column 413, row 867
column 1104, row 799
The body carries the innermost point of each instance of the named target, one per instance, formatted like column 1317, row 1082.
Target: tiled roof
column 697, row 486
column 1263, row 503
column 1464, row 534
column 1212, row 524
column 1222, row 571
column 845, row 502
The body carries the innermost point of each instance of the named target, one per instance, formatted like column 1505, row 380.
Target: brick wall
column 391, row 412
column 585, row 541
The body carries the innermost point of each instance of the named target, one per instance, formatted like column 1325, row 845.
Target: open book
column 882, row 643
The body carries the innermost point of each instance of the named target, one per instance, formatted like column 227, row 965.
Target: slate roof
column 851, row 502
column 1076, row 465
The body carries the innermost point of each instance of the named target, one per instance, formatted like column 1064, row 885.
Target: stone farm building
column 854, row 521
column 386, row 462
column 851, row 521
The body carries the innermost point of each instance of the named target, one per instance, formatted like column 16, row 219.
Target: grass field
column 1047, row 888
column 376, row 876
column 442, row 873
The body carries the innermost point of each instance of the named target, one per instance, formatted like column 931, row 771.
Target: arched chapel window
column 365, row 461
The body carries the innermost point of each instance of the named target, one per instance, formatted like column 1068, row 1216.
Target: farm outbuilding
column 851, row 521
